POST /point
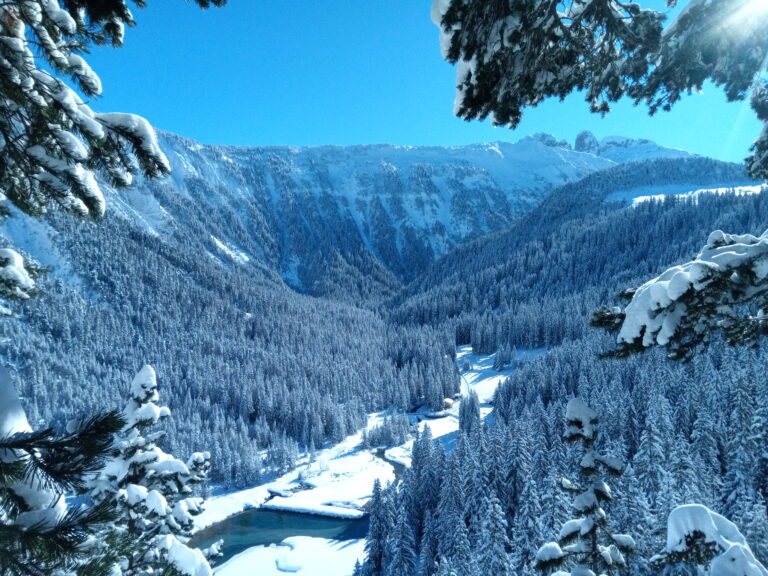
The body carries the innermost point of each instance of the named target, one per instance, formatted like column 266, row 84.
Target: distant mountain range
column 313, row 214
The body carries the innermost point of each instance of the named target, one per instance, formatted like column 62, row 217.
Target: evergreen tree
column 469, row 413
column 401, row 553
column 151, row 490
column 492, row 556
column 651, row 462
column 39, row 533
column 378, row 527
column 463, row 560
column 450, row 510
column 587, row 540
column 428, row 550
column 707, row 457
column 527, row 527
column 637, row 514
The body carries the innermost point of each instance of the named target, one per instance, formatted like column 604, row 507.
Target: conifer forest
column 531, row 356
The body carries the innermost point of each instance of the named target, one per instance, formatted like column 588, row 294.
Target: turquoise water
column 258, row 527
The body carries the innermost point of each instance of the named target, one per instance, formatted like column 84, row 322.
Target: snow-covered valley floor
column 338, row 483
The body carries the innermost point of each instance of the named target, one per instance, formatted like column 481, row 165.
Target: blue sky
column 307, row 72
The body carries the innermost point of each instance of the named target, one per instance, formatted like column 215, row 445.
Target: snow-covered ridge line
column 694, row 195
column 306, row 212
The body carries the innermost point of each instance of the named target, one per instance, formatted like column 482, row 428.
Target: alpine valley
column 285, row 294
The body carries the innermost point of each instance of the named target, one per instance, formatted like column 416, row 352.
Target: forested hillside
column 537, row 283
column 190, row 275
column 487, row 499
column 245, row 363
column 681, row 433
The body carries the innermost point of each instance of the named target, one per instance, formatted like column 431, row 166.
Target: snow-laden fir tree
column 401, row 549
column 469, row 413
column 378, row 527
column 586, row 544
column 708, row 543
column 53, row 144
column 492, row 546
column 152, row 491
column 428, row 563
column 40, row 534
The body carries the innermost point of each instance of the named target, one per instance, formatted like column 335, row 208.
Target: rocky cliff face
column 327, row 216
column 351, row 222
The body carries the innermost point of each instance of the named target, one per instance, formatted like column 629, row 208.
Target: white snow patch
column 140, row 206
column 695, row 195
column 337, row 483
column 735, row 558
column 300, row 555
column 235, row 254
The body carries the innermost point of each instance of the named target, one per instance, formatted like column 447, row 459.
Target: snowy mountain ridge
column 315, row 214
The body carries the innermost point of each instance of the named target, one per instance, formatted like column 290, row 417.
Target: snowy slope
column 696, row 193
column 345, row 222
column 328, row 219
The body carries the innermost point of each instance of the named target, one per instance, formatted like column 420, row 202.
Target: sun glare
column 743, row 17
column 753, row 9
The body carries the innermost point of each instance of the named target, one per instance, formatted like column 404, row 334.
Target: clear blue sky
column 309, row 72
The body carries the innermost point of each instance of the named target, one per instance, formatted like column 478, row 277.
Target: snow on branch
column 15, row 279
column 725, row 288
column 53, row 144
column 698, row 536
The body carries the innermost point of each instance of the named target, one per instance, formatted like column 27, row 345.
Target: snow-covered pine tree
column 463, row 560
column 450, row 509
column 52, row 143
column 428, row 548
column 526, row 528
column 503, row 358
column 401, row 549
column 492, row 546
column 587, row 542
column 39, row 534
column 376, row 540
column 469, row 413
column 151, row 491
column 707, row 542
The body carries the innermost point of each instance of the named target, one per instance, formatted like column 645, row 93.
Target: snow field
column 337, row 484
column 298, row 555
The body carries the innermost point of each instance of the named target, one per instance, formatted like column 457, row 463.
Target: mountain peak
column 623, row 149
